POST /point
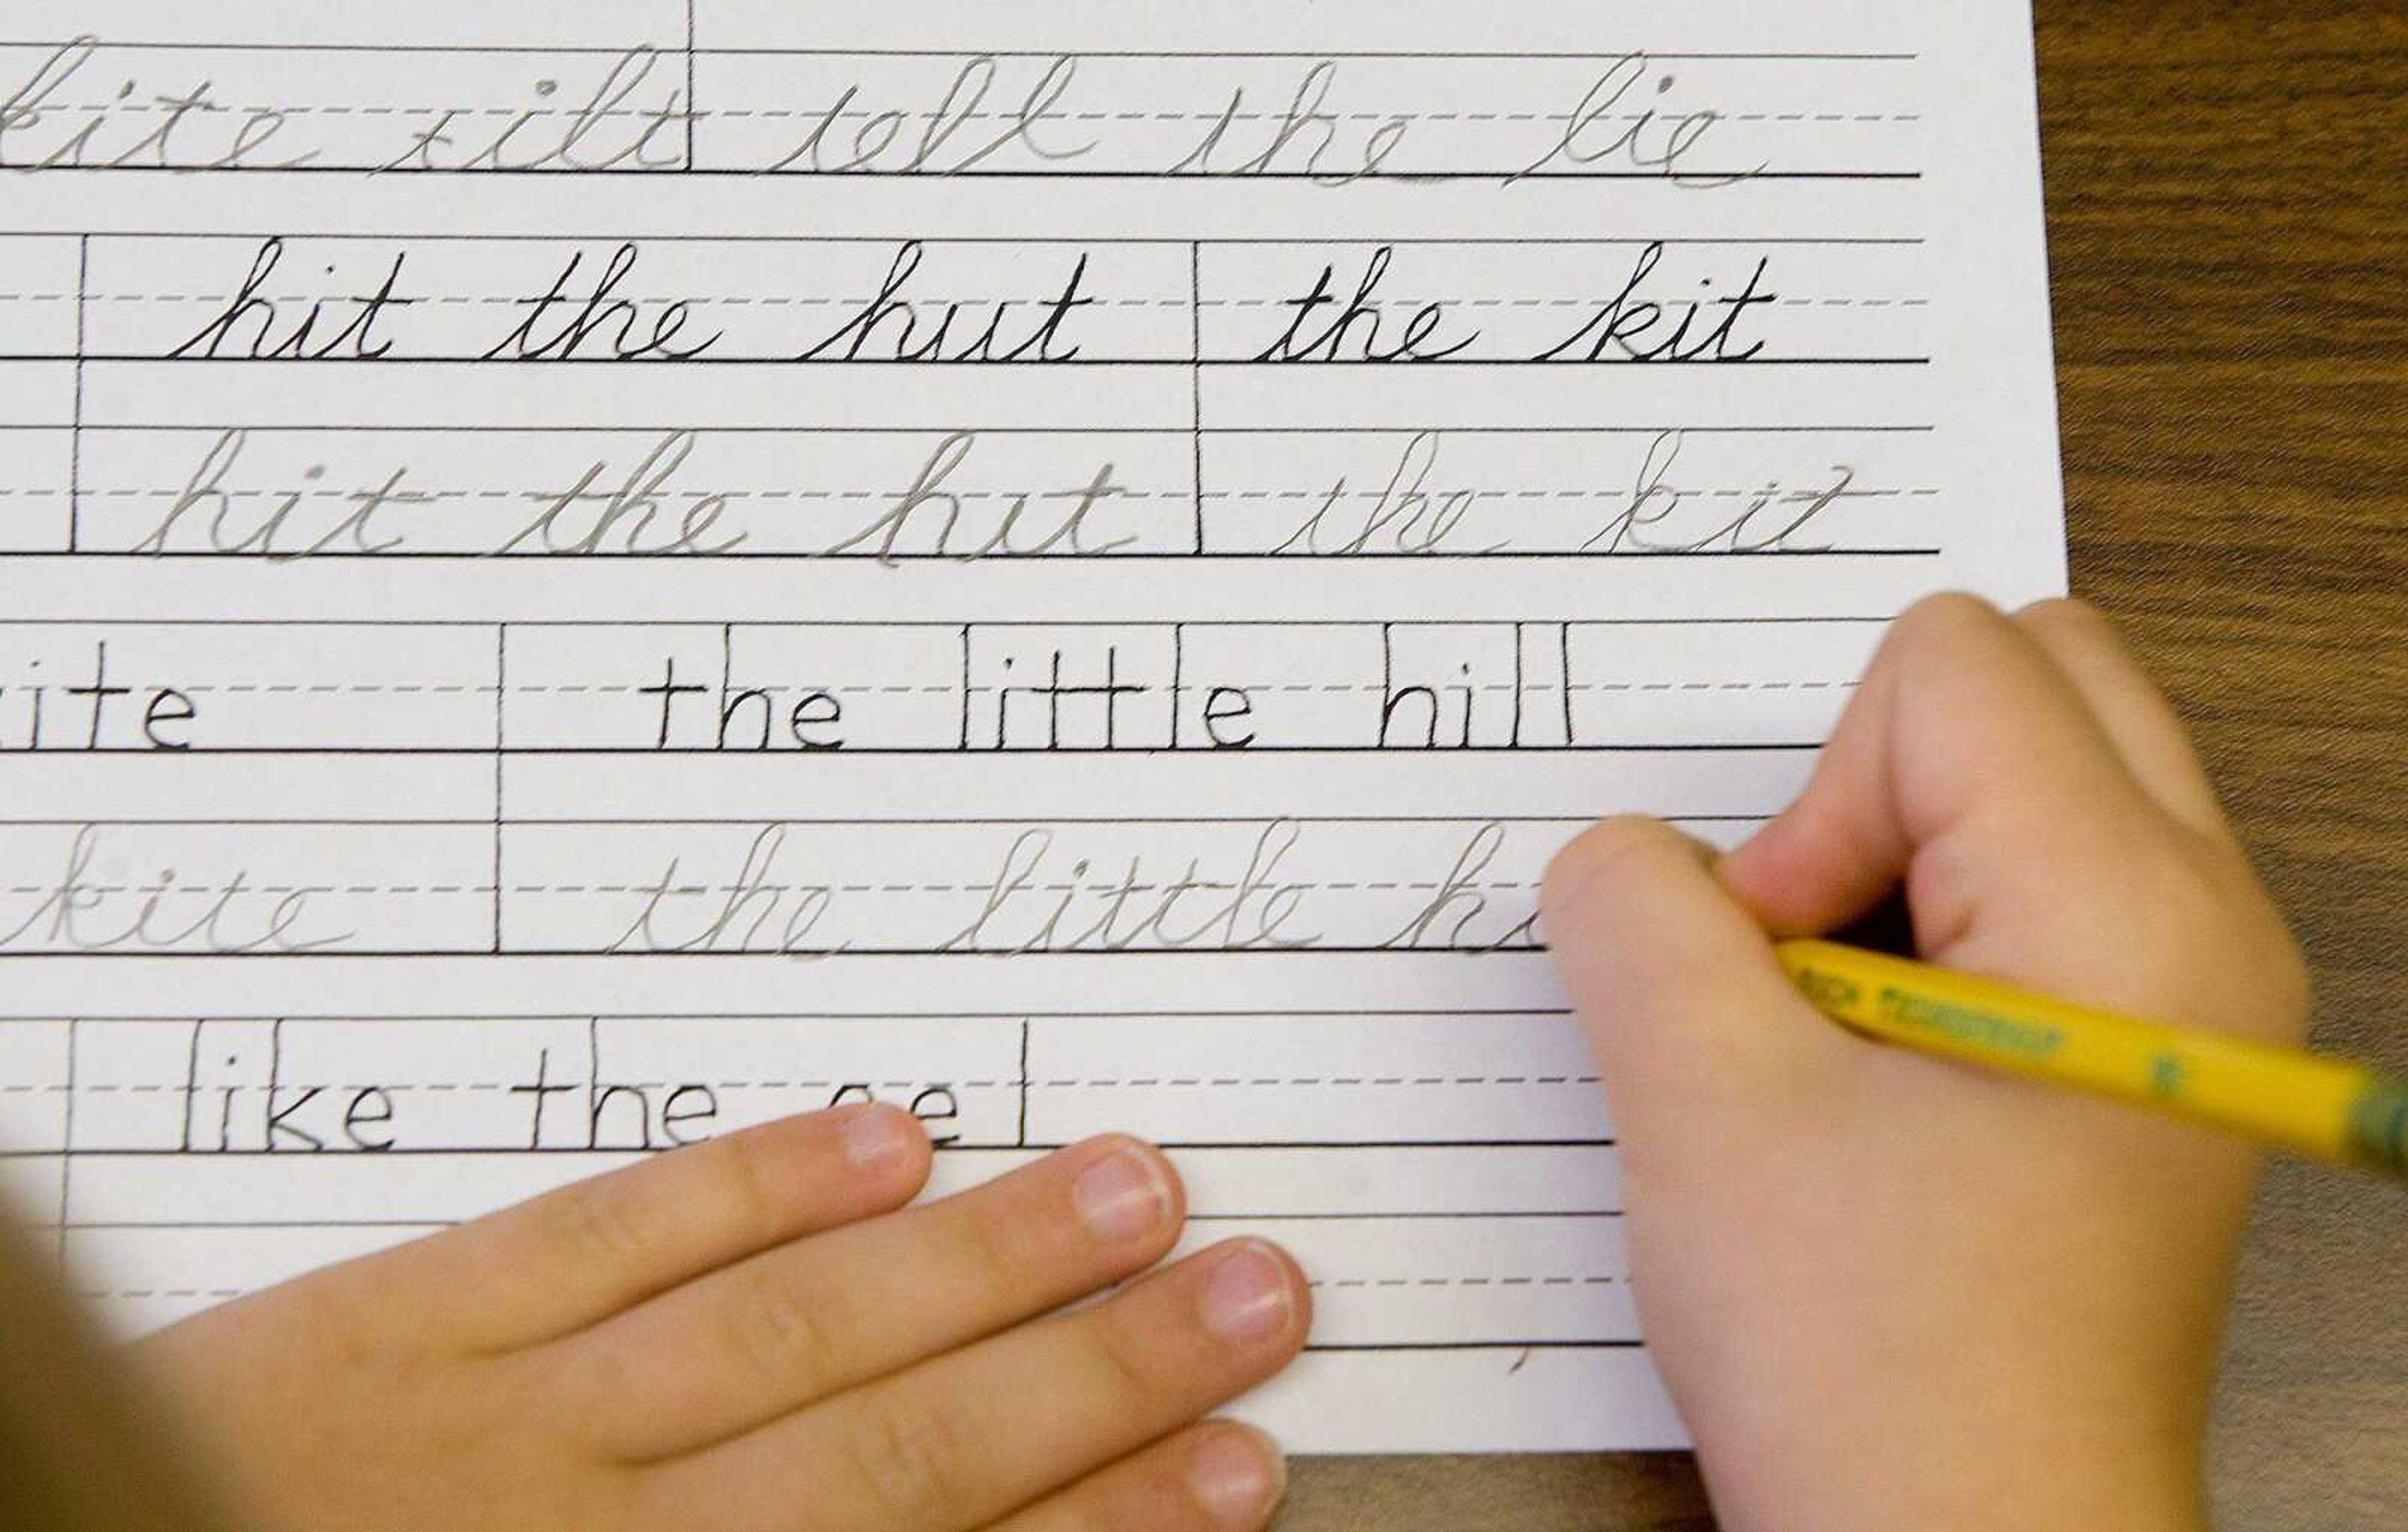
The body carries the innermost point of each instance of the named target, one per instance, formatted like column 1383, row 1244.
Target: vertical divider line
column 966, row 690
column 501, row 691
column 1024, row 1082
column 693, row 107
column 275, row 1078
column 1563, row 656
column 192, row 1087
column 66, row 1151
column 1196, row 374
column 1519, row 688
column 1178, row 676
column 594, row 1087
column 75, row 420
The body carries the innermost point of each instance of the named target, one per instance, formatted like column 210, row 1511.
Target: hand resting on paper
column 747, row 1335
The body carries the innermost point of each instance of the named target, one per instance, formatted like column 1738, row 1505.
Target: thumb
column 1692, row 1019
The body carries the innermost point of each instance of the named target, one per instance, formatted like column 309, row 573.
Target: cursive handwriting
column 590, row 517
column 948, row 144
column 608, row 131
column 1599, row 132
column 558, row 326
column 232, row 139
column 1452, row 917
column 928, row 500
column 1663, row 518
column 276, row 336
column 1637, row 328
column 736, row 917
column 1405, row 516
column 1300, row 141
column 1019, row 914
column 1326, row 329
column 77, row 914
column 888, row 326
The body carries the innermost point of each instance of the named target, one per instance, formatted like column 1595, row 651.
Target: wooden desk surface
column 2229, row 222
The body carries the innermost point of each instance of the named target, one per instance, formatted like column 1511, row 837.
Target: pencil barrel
column 2279, row 1096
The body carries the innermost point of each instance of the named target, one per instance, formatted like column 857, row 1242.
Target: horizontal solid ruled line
column 431, row 1226
column 1180, row 364
column 1001, row 1016
column 485, row 822
column 1497, row 173
column 800, row 955
column 1038, row 241
column 677, row 50
column 1180, row 432
column 1485, row 1214
column 1544, row 555
column 1341, row 1347
column 1166, row 431
column 462, row 625
column 1017, row 1085
column 399, row 1151
column 1437, row 54
column 487, row 752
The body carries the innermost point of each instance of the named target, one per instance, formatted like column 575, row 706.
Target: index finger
column 1963, row 734
column 572, row 1257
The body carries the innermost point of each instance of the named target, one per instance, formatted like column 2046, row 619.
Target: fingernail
column 1236, row 1474
column 1122, row 1197
column 1246, row 1297
column 878, row 1136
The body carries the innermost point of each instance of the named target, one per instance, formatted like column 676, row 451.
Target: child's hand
column 1888, row 1292
column 745, row 1335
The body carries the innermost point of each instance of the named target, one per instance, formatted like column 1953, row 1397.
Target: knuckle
column 1103, row 1507
column 1161, row 1500
column 2068, row 614
column 1942, row 616
column 602, row 1228
column 780, row 1332
column 986, row 1240
column 746, row 1182
column 2072, row 628
column 1084, row 1513
column 1931, row 647
column 1935, row 630
column 1128, row 1363
column 915, row 1461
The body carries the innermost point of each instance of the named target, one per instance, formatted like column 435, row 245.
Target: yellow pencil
column 2325, row 1108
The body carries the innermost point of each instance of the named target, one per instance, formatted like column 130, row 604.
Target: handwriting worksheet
column 577, row 577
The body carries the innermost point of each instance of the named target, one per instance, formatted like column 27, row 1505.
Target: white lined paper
column 574, row 583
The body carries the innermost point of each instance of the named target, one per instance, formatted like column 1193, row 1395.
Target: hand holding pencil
column 1887, row 1291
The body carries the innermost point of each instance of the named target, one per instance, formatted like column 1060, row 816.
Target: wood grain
column 2229, row 225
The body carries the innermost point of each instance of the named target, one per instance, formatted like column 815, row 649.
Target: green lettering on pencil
column 1827, row 988
column 1963, row 1023
column 2165, row 1073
